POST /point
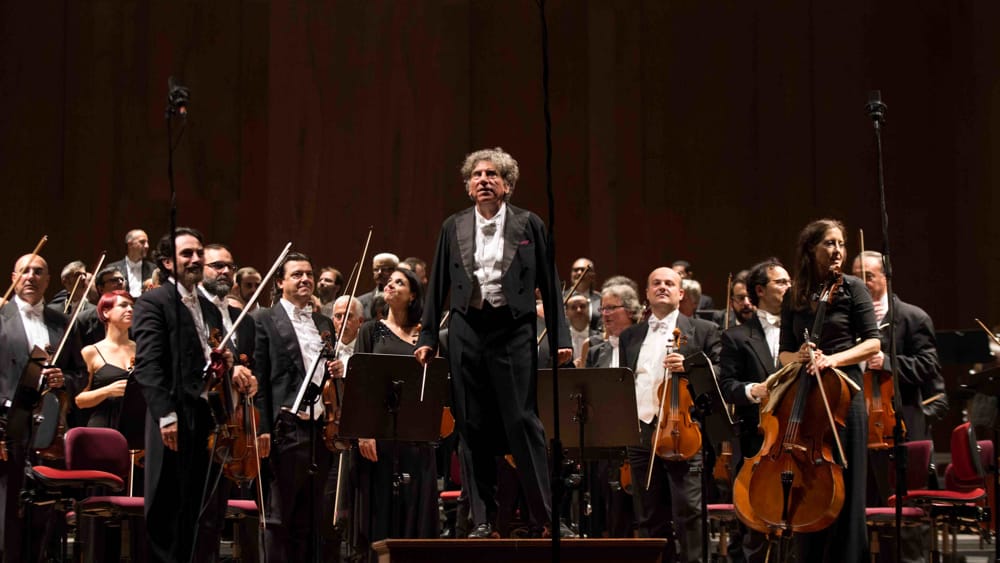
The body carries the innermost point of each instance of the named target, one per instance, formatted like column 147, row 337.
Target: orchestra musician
column 383, row 264
column 916, row 351
column 25, row 322
column 109, row 361
column 397, row 334
column 134, row 266
column 587, row 287
column 490, row 258
column 178, row 466
column 920, row 379
column 670, row 507
column 749, row 355
column 848, row 337
column 620, row 309
column 289, row 342
column 329, row 286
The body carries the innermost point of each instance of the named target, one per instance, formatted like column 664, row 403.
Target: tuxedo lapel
column 283, row 325
column 55, row 327
column 13, row 328
column 758, row 344
column 465, row 233
column 629, row 354
column 688, row 335
column 512, row 235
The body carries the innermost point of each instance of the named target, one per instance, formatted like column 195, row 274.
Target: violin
column 677, row 437
column 722, row 473
column 332, row 404
column 878, row 403
column 793, row 484
column 52, row 408
column 234, row 444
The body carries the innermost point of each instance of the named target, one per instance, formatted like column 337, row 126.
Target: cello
column 677, row 437
column 793, row 484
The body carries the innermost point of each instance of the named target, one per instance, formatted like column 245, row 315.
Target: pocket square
column 524, row 242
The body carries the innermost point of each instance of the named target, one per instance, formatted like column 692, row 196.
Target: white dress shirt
column 578, row 337
column 223, row 307
column 489, row 257
column 34, row 323
column 134, row 274
column 772, row 334
column 615, row 357
column 649, row 367
column 310, row 344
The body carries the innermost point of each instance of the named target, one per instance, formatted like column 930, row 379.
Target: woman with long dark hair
column 397, row 334
column 849, row 336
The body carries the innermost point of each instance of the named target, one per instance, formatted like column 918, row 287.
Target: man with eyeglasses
column 91, row 329
column 382, row 266
column 749, row 355
column 135, row 267
column 173, row 322
column 613, row 511
column 741, row 307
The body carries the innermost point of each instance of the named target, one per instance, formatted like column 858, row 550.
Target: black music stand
column 962, row 346
column 712, row 413
column 600, row 403
column 382, row 401
column 988, row 383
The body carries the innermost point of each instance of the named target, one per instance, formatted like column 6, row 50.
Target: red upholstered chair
column 881, row 518
column 962, row 507
column 97, row 463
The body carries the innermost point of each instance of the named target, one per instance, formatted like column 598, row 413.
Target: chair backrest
column 966, row 463
column 101, row 449
column 918, row 463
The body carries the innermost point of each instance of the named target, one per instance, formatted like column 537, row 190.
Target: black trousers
column 671, row 506
column 494, row 377
column 296, row 505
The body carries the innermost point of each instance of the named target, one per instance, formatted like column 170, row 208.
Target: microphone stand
column 552, row 315
column 876, row 111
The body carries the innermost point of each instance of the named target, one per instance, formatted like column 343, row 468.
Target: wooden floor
column 487, row 551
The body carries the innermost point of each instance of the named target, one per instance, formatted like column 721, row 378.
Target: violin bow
column 993, row 336
column 76, row 313
column 826, row 405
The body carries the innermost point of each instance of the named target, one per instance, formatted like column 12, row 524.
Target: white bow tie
column 657, row 325
column 33, row 311
column 773, row 320
column 613, row 340
column 191, row 300
column 303, row 314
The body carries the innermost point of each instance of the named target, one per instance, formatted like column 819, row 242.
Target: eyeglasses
column 220, row 265
column 610, row 309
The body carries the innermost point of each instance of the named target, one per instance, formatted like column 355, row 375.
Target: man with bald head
column 135, row 267
column 671, row 505
column 26, row 324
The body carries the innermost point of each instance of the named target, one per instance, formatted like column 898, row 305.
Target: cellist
column 671, row 505
column 848, row 337
column 749, row 355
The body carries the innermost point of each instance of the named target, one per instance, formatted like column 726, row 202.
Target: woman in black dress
column 849, row 336
column 397, row 334
column 109, row 361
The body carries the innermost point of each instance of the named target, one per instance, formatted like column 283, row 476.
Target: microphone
column 875, row 108
column 177, row 97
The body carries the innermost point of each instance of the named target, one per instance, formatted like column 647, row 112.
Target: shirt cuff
column 171, row 418
column 749, row 396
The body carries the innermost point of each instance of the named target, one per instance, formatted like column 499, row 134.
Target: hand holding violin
column 674, row 362
column 336, row 368
column 244, row 380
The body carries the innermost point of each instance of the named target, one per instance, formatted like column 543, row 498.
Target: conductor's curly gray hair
column 505, row 163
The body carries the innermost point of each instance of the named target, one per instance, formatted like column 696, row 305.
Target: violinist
column 109, row 361
column 289, row 341
column 848, row 337
column 74, row 278
column 582, row 336
column 383, row 264
column 916, row 350
column 25, row 322
column 587, row 287
column 353, row 319
column 179, row 421
column 136, row 268
column 749, row 355
column 329, row 286
column 215, row 286
column 670, row 507
column 88, row 324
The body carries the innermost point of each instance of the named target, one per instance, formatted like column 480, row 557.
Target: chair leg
column 125, row 540
column 873, row 544
column 237, row 550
